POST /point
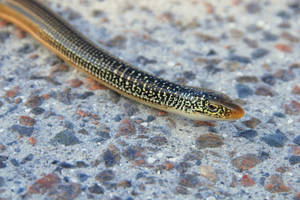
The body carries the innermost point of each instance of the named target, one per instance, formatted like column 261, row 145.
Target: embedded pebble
column 278, row 139
column 264, row 91
column 208, row 172
column 253, row 8
column 209, row 141
column 293, row 108
column 34, row 101
column 111, row 156
column 259, row 53
column 22, row 130
column 297, row 140
column 247, row 181
column 66, row 137
column 275, row 184
column 270, row 37
column 181, row 190
column 245, row 162
column 189, row 180
column 158, row 140
column 96, row 189
column 243, row 90
column 294, row 160
column 252, row 123
column 247, row 79
column 268, row 79
column 126, row 127
column 26, row 120
column 238, row 58
column 249, row 134
column 37, row 110
column 105, row 175
column 296, row 90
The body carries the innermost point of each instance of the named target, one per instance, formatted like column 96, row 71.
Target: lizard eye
column 212, row 107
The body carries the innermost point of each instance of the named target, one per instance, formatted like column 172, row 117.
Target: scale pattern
column 109, row 70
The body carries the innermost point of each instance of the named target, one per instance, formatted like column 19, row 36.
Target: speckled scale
column 109, row 70
column 100, row 63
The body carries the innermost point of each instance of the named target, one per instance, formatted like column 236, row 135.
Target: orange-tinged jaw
column 236, row 113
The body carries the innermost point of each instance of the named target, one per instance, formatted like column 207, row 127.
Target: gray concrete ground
column 62, row 136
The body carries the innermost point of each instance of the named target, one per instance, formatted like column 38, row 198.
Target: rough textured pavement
column 63, row 136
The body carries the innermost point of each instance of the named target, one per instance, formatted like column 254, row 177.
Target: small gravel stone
column 253, row 8
column 264, row 91
column 247, row 79
column 2, row 164
column 82, row 177
column 263, row 156
column 277, row 139
column 249, row 134
column 37, row 110
column 275, row 184
column 247, row 181
column 241, row 59
column 124, row 184
column 43, row 184
column 158, row 140
column 297, row 140
column 150, row 118
column 294, row 160
column 81, row 164
column 75, row 83
column 259, row 53
column 189, row 75
column 208, row 172
column 181, row 190
column 189, row 180
column 253, row 28
column 66, row 165
column 29, row 157
column 243, row 90
column 66, row 137
column 14, row 162
column 296, row 90
column 268, row 79
column 245, row 162
column 64, row 97
column 3, row 36
column 278, row 114
column 284, row 75
column 22, row 130
column 144, row 61
column 111, row 156
column 293, row 108
column 270, row 37
column 118, row 41
column 251, row 43
column 182, row 167
column 252, row 123
column 283, row 15
column 26, row 120
column 193, row 156
column 209, row 141
column 34, row 101
column 105, row 175
column 96, row 189
column 126, row 127
column 85, row 95
column 2, row 181
column 289, row 37
column 133, row 152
